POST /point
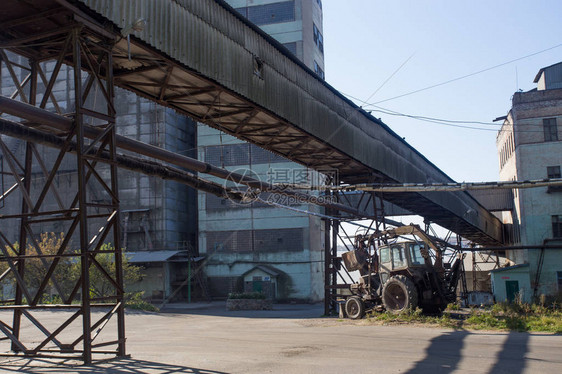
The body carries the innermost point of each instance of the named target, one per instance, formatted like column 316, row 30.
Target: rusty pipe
column 128, row 162
column 43, row 117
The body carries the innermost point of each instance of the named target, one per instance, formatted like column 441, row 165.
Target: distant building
column 530, row 147
column 241, row 240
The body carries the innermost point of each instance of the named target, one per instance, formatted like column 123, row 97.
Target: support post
column 327, row 257
column 87, row 214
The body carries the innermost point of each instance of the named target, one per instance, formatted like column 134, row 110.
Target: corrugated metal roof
column 151, row 256
column 266, row 269
column 211, row 54
column 538, row 76
column 509, row 268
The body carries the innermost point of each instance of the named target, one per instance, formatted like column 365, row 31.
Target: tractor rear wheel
column 354, row 307
column 399, row 293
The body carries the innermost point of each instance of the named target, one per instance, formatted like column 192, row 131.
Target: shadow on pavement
column 511, row 359
column 128, row 365
column 443, row 354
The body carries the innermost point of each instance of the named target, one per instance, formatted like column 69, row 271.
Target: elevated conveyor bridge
column 201, row 59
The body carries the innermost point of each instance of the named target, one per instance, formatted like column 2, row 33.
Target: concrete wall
column 524, row 154
column 521, row 275
column 302, row 264
column 154, row 282
column 256, row 231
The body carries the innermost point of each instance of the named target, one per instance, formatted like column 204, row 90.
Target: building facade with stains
column 236, row 238
column 530, row 148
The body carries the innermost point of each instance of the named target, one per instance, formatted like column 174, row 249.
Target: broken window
column 258, row 67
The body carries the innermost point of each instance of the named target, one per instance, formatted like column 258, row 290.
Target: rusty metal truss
column 87, row 218
column 337, row 279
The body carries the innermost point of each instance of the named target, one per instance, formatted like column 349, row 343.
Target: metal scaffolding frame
column 89, row 218
column 336, row 276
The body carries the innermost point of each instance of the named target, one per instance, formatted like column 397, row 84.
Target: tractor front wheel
column 354, row 307
column 399, row 293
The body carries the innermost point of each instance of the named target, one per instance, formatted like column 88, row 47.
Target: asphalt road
column 293, row 339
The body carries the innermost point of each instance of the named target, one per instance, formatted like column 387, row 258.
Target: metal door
column 511, row 289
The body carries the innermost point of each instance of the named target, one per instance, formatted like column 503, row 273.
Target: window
column 559, row 278
column 291, row 47
column 263, row 156
column 553, row 172
column 385, row 255
column 229, row 241
column 319, row 3
column 557, row 226
column 318, row 39
column 398, row 258
column 550, row 129
column 274, row 240
column 227, row 155
column 269, row 13
column 318, row 70
column 415, row 254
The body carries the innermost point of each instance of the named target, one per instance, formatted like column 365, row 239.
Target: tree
column 100, row 285
column 67, row 272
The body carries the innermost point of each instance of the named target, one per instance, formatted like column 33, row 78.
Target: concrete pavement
column 293, row 339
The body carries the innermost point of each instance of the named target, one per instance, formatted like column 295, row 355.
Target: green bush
column 246, row 295
column 135, row 301
column 453, row 306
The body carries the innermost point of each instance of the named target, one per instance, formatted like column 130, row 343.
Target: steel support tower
column 88, row 218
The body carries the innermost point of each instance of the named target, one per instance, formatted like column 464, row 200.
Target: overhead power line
column 468, row 75
column 453, row 123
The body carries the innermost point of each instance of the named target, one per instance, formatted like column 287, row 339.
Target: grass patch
column 413, row 316
column 503, row 316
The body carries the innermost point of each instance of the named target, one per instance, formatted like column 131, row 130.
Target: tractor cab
column 398, row 257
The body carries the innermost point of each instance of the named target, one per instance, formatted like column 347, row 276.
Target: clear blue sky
column 366, row 41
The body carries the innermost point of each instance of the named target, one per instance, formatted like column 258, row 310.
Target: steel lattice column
column 88, row 216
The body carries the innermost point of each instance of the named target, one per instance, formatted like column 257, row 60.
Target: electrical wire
column 447, row 122
column 469, row 75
